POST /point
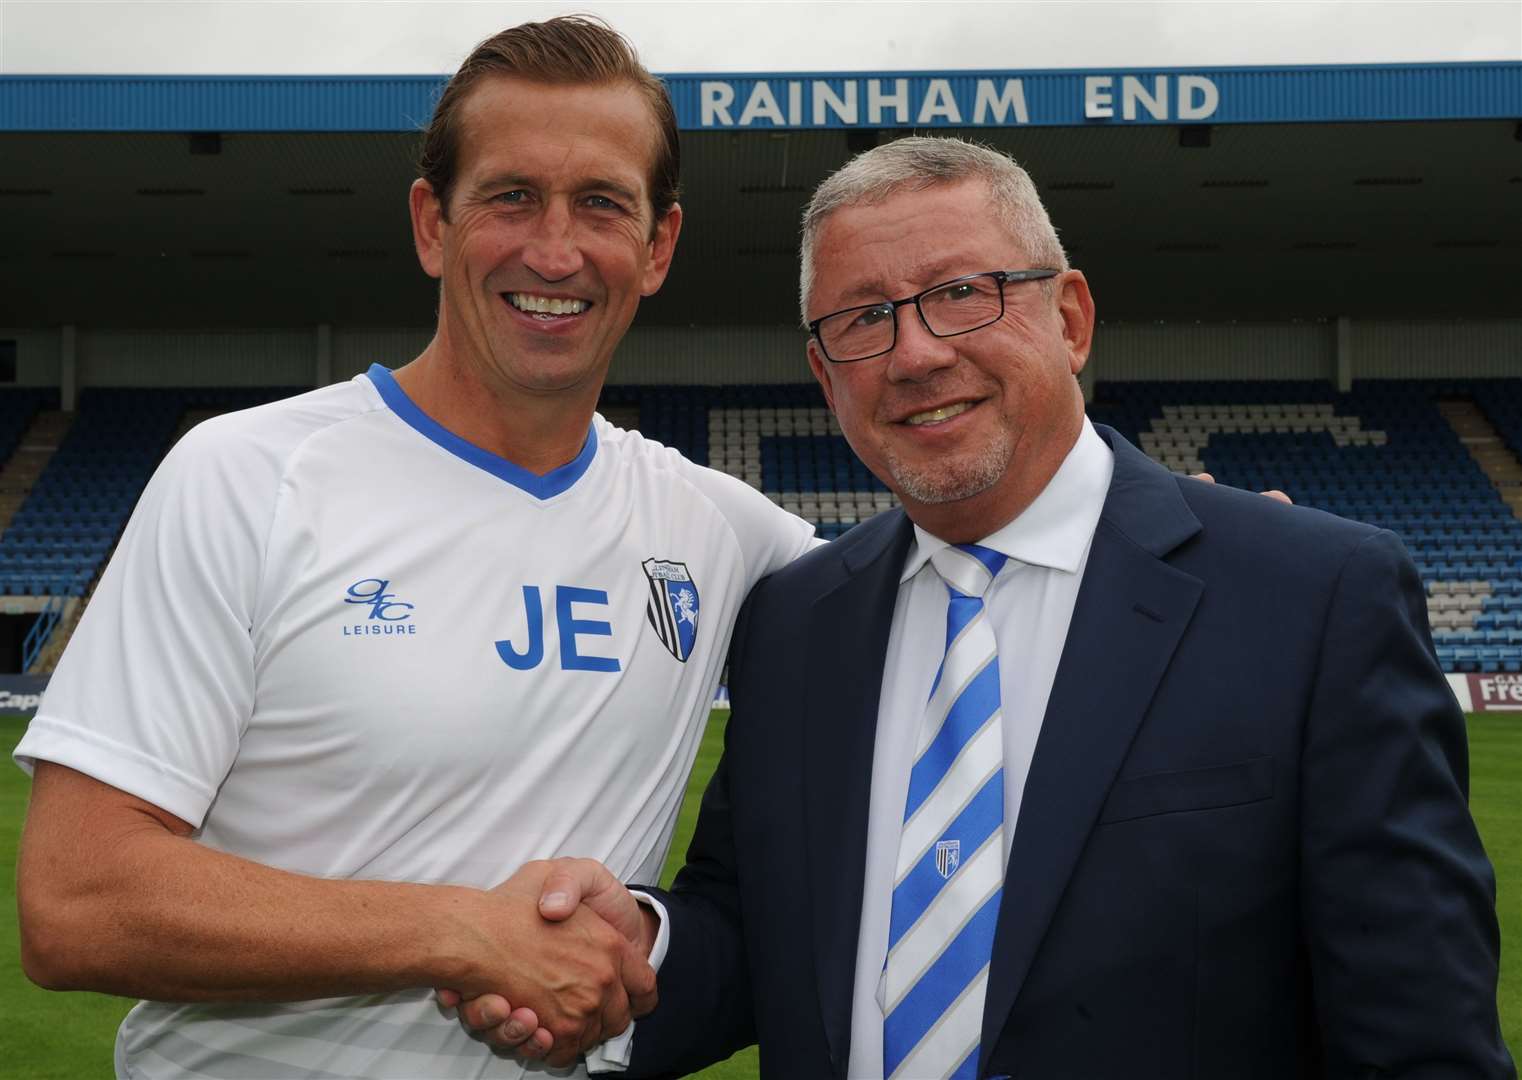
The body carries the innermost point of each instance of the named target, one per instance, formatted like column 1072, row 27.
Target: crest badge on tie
column 948, row 855
column 673, row 606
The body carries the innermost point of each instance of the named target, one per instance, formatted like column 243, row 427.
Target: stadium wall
column 219, row 358
column 37, row 355
column 659, row 355
column 1125, row 352
column 1404, row 349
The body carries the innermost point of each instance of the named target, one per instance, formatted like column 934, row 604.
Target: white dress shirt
column 1030, row 604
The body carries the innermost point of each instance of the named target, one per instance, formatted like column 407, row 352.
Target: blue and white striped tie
column 950, row 871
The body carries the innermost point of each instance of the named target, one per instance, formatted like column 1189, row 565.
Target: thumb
column 606, row 897
column 565, row 887
column 590, row 883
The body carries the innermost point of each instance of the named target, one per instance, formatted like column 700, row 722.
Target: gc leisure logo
column 387, row 614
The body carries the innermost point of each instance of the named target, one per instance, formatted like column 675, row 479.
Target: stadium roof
column 1241, row 95
column 1273, row 193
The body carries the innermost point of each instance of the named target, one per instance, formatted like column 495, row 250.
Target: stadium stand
column 20, row 410
column 779, row 439
column 58, row 540
column 1502, row 408
column 1384, row 454
column 1393, row 453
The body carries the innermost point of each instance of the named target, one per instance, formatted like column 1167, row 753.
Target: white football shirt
column 342, row 641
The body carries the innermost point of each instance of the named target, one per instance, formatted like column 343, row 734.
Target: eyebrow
column 868, row 292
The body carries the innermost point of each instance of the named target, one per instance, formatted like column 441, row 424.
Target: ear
column 821, row 369
column 662, row 247
column 1075, row 306
column 427, row 227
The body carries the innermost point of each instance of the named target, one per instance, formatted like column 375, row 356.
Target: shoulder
column 1276, row 552
column 269, row 434
column 1215, row 525
column 225, row 475
column 1257, row 523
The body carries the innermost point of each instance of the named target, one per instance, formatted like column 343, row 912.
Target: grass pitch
column 70, row 1036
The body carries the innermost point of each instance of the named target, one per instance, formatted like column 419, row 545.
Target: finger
column 1281, row 496
column 534, row 1047
column 447, row 998
column 1205, row 476
column 482, row 1014
column 515, row 1032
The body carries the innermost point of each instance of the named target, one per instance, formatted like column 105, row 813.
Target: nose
column 917, row 353
column 552, row 250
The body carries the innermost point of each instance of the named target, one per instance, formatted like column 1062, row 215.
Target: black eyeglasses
column 953, row 307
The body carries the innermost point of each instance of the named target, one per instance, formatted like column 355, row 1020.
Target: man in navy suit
column 1071, row 768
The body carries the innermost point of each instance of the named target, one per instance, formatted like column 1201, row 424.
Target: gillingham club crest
column 948, row 856
column 673, row 607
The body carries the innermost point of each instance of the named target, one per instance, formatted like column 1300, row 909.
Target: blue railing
column 41, row 630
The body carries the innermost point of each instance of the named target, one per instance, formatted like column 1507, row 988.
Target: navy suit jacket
column 1244, row 847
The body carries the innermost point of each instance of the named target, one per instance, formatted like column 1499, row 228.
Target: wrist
column 452, row 949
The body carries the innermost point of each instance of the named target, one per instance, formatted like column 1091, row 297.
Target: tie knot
column 968, row 568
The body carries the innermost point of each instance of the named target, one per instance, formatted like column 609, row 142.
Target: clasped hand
column 579, row 971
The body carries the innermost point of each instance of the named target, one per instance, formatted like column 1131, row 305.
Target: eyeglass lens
column 954, row 308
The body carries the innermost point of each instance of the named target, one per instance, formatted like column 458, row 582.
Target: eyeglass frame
column 1005, row 277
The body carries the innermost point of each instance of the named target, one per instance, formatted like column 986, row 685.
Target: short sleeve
column 156, row 686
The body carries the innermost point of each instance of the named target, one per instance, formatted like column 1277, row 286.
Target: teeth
column 934, row 415
column 545, row 305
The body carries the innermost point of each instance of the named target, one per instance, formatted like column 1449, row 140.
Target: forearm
column 121, row 904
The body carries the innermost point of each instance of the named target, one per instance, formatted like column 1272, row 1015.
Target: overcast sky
column 431, row 36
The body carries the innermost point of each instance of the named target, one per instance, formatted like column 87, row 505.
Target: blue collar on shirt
column 547, row 486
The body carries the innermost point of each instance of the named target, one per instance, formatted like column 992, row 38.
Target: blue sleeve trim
column 552, row 483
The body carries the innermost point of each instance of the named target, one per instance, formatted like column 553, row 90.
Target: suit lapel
column 1131, row 610
column 848, row 627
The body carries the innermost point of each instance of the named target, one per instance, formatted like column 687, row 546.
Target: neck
column 537, row 432
column 966, row 521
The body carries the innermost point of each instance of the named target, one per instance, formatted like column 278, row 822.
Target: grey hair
column 918, row 162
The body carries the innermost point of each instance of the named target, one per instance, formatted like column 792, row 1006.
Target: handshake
column 571, row 969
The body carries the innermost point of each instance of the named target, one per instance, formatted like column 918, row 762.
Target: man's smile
column 546, row 307
column 938, row 414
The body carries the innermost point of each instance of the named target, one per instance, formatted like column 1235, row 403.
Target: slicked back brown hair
column 569, row 50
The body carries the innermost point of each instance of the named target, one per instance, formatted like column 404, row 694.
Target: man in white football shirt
column 363, row 653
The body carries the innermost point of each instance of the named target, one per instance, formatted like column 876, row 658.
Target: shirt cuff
column 613, row 1056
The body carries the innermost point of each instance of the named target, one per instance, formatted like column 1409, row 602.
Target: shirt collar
column 555, row 482
column 1054, row 530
